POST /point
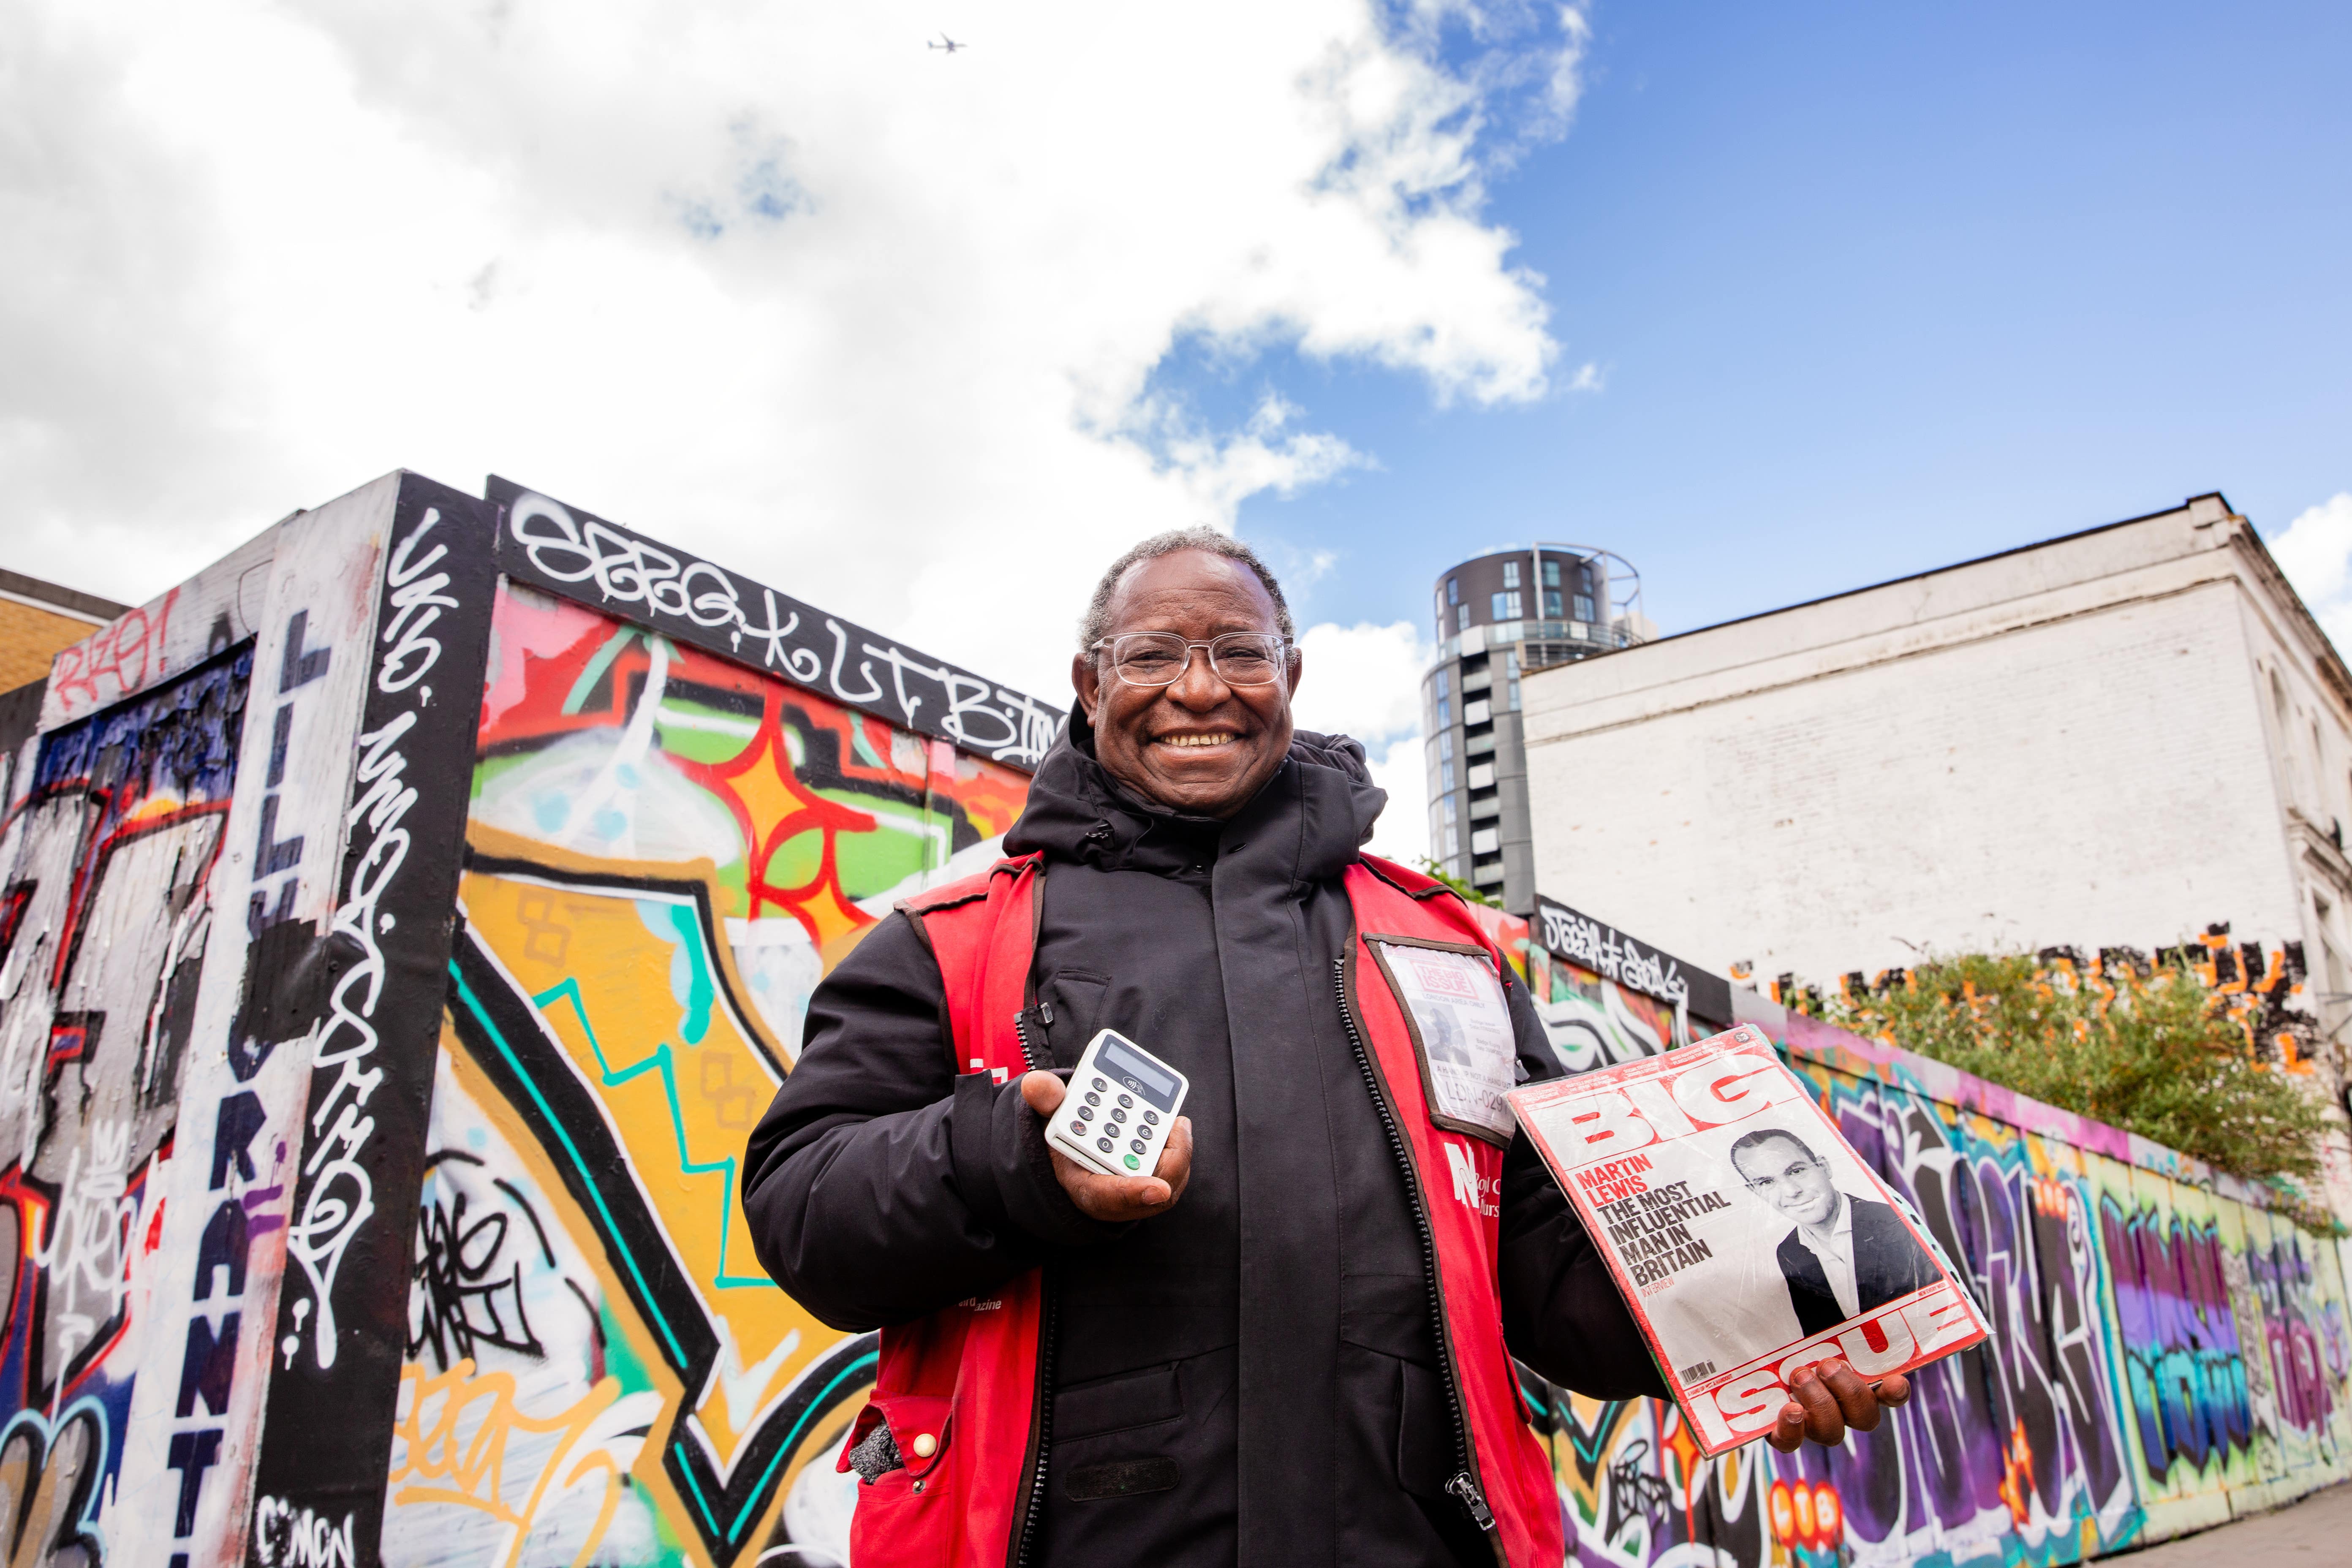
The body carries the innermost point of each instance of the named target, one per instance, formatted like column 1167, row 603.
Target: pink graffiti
column 128, row 651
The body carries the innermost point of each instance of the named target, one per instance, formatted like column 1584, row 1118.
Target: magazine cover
column 1748, row 1237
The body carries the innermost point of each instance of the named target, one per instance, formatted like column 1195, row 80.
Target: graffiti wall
column 403, row 921
column 667, row 851
column 2168, row 1351
column 396, row 946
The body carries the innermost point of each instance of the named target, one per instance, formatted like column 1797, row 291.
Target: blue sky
column 1871, row 289
column 1863, row 290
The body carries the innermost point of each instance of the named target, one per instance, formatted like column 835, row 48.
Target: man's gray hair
column 1095, row 623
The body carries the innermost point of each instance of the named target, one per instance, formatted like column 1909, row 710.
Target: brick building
column 37, row 619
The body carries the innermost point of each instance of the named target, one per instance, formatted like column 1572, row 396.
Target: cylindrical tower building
column 1498, row 617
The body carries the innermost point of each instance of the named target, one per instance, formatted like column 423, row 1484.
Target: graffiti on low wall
column 107, row 903
column 669, row 850
column 376, row 1062
column 2164, row 1343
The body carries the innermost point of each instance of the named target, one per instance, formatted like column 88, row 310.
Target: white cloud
column 1365, row 680
column 872, row 323
column 2315, row 553
column 1403, row 833
column 1362, row 680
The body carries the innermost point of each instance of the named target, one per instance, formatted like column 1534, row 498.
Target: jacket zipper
column 1464, row 1484
column 1040, row 1429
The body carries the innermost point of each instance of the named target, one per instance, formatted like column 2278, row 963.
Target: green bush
column 2156, row 1054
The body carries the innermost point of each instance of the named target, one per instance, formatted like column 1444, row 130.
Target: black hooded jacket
column 1266, row 1343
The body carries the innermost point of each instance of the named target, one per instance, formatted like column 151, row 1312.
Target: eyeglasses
column 1161, row 659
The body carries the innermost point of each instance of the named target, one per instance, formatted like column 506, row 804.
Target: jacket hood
column 1314, row 815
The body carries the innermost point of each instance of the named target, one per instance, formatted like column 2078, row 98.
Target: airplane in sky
column 950, row 44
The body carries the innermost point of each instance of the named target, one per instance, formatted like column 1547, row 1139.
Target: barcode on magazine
column 1697, row 1370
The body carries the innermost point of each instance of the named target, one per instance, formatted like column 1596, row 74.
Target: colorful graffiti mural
column 376, row 1059
column 667, row 851
column 108, row 906
column 2168, row 1348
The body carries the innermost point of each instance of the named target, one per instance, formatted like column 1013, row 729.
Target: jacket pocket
column 1116, row 1404
column 1424, row 1440
column 920, row 1426
column 1075, row 996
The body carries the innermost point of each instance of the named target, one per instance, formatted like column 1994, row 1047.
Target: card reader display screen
column 1138, row 1071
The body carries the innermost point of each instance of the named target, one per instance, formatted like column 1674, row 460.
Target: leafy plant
column 2153, row 1053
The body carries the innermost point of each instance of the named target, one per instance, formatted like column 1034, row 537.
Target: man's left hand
column 1827, row 1398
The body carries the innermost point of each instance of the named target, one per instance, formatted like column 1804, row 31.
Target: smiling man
column 1290, row 1343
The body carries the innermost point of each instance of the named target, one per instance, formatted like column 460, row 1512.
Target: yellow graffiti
column 649, row 1015
column 454, row 1430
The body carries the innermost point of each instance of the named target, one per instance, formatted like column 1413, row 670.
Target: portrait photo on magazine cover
column 1778, row 1233
column 1844, row 1254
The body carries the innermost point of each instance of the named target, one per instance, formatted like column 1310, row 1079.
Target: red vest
column 962, row 1383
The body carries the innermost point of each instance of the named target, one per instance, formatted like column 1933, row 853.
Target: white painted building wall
column 2118, row 737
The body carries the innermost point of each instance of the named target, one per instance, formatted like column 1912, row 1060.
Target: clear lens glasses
column 1161, row 659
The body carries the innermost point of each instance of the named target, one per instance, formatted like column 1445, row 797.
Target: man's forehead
column 1780, row 1146
column 1189, row 584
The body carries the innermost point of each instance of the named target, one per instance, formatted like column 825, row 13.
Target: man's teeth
column 1194, row 739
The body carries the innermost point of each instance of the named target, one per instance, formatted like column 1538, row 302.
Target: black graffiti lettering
column 272, row 854
column 1634, row 1489
column 208, row 1365
column 235, row 1126
column 192, row 1454
column 281, row 730
column 224, row 1247
column 302, row 666
column 468, row 1292
column 258, row 914
column 285, row 990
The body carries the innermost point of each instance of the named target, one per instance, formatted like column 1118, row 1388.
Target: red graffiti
column 128, row 651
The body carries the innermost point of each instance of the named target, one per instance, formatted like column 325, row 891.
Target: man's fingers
column 1895, row 1390
column 1788, row 1433
column 1855, row 1402
column 1824, row 1422
column 1175, row 1166
column 1044, row 1092
column 1111, row 1198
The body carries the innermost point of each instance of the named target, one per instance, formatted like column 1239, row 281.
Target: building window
column 1444, row 712
column 1444, row 682
column 1551, row 604
column 1453, row 592
column 1551, row 575
column 1507, row 606
column 1510, row 573
column 1511, row 673
column 1445, row 746
column 1449, row 809
column 1584, row 608
column 1462, row 619
column 1445, row 777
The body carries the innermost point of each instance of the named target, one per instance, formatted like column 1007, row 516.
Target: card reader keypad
column 1106, row 1117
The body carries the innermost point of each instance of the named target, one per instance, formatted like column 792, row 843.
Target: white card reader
column 1121, row 1103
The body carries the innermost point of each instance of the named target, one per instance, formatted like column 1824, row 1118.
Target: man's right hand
column 1113, row 1198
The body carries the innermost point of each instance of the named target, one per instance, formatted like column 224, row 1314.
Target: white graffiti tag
column 628, row 570
column 1611, row 955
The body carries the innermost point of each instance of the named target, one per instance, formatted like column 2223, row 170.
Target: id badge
column 1461, row 1031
